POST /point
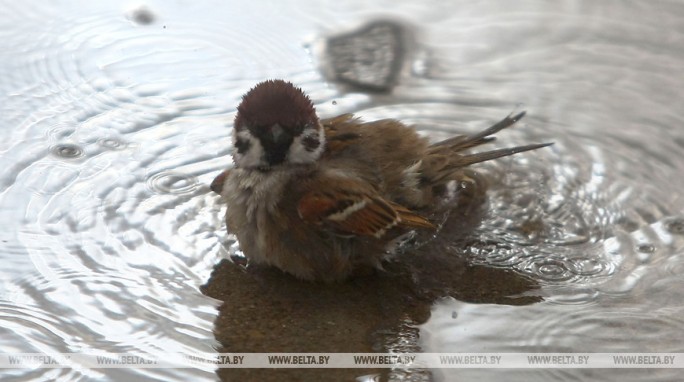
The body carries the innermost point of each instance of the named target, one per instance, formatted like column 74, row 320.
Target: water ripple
column 67, row 151
column 172, row 182
column 115, row 118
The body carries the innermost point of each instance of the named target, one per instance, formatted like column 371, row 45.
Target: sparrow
column 323, row 199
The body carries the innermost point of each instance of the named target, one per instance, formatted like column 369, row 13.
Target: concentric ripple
column 67, row 151
column 595, row 328
column 172, row 182
column 111, row 132
column 597, row 217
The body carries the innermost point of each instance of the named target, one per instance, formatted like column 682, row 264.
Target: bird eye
column 311, row 142
column 242, row 145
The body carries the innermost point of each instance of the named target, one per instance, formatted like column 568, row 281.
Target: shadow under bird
column 323, row 199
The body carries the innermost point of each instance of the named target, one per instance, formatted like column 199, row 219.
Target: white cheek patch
column 298, row 153
column 253, row 156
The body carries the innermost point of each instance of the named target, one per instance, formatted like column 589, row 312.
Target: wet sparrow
column 321, row 199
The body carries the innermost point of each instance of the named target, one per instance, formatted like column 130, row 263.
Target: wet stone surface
column 370, row 58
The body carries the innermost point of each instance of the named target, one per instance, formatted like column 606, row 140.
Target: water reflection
column 265, row 310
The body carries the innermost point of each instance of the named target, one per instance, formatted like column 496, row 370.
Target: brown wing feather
column 446, row 157
column 356, row 214
column 338, row 135
column 332, row 122
column 410, row 218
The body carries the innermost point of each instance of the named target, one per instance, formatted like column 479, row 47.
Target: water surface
column 114, row 118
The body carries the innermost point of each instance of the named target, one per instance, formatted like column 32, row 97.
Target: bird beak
column 277, row 133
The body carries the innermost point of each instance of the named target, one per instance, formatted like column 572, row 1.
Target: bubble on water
column 646, row 248
column 67, row 151
column 499, row 254
column 587, row 266
column 551, row 270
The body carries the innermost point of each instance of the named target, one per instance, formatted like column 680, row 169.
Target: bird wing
column 445, row 157
column 340, row 133
column 348, row 206
column 217, row 183
column 356, row 213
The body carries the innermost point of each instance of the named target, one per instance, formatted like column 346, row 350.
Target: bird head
column 276, row 125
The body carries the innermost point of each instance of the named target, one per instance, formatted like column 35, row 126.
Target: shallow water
column 115, row 118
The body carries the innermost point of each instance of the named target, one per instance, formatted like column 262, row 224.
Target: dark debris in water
column 265, row 310
column 370, row 58
column 142, row 16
